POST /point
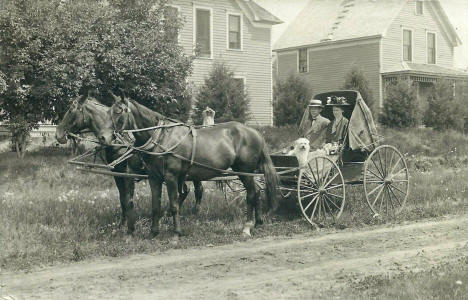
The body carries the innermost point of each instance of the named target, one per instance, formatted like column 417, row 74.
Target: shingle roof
column 257, row 14
column 261, row 14
column 426, row 69
column 335, row 20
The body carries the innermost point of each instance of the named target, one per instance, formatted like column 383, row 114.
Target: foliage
column 289, row 100
column 52, row 51
column 356, row 80
column 400, row 109
column 444, row 110
column 222, row 93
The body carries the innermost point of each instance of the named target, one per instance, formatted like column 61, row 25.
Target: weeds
column 51, row 213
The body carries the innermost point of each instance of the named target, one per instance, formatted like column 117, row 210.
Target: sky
column 456, row 10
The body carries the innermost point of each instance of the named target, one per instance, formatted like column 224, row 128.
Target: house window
column 172, row 31
column 234, row 31
column 240, row 82
column 431, row 48
column 302, row 60
column 419, row 7
column 407, row 45
column 203, row 31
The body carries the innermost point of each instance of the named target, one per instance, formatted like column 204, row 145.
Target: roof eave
column 456, row 41
column 256, row 20
column 331, row 42
column 414, row 72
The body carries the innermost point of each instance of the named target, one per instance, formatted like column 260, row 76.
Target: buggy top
column 362, row 132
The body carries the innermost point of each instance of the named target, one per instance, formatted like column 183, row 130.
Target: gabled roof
column 257, row 14
column 323, row 21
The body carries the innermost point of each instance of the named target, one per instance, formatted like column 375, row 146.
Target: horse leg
column 183, row 192
column 131, row 214
column 156, row 213
column 122, row 187
column 252, row 195
column 172, row 183
column 198, row 195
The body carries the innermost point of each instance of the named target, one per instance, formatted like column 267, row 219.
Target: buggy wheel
column 386, row 181
column 321, row 190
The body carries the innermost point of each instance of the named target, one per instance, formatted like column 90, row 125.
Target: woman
column 337, row 129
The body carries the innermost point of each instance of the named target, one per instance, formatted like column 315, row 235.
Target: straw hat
column 315, row 102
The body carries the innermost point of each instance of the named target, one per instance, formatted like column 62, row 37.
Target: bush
column 444, row 111
column 289, row 100
column 222, row 92
column 400, row 109
column 356, row 80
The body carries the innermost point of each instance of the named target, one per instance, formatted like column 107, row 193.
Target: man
column 313, row 126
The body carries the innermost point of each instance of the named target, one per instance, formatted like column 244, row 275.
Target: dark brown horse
column 227, row 145
column 86, row 113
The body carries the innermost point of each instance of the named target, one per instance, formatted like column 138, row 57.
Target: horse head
column 82, row 115
column 121, row 115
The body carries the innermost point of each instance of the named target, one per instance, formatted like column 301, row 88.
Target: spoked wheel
column 321, row 190
column 386, row 181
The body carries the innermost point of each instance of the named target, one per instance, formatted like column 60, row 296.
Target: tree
column 224, row 94
column 290, row 99
column 53, row 50
column 356, row 80
column 444, row 110
column 400, row 107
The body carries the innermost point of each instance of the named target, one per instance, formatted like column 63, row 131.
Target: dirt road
column 303, row 266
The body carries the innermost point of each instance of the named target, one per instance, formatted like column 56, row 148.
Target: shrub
column 400, row 109
column 356, row 80
column 223, row 93
column 444, row 110
column 289, row 99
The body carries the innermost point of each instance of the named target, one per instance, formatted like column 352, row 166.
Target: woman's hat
column 337, row 101
column 315, row 102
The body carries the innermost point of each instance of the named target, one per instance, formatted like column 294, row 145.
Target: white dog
column 208, row 116
column 301, row 151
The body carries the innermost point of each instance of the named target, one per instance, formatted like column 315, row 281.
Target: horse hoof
column 246, row 232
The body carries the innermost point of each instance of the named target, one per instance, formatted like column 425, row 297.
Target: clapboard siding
column 328, row 66
column 287, row 64
column 253, row 62
column 392, row 48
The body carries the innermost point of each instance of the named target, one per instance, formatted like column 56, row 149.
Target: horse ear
column 115, row 98
column 82, row 99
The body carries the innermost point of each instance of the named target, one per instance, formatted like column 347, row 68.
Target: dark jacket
column 314, row 131
column 337, row 133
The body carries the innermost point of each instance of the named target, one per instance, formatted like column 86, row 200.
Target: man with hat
column 337, row 129
column 313, row 125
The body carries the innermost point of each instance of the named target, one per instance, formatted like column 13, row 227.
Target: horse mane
column 158, row 115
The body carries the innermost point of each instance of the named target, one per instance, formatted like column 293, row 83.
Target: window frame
column 210, row 9
column 241, row 33
column 416, row 7
column 178, row 14
column 427, row 47
column 244, row 79
column 299, row 60
column 403, row 44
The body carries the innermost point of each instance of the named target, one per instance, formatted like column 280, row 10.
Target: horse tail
column 271, row 179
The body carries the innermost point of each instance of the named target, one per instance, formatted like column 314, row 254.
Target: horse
column 194, row 154
column 86, row 113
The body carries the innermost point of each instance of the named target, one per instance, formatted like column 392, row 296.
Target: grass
column 446, row 281
column 51, row 213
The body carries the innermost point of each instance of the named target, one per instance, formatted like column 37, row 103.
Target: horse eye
column 119, row 110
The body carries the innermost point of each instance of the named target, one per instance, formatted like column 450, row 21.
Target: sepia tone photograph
column 234, row 149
